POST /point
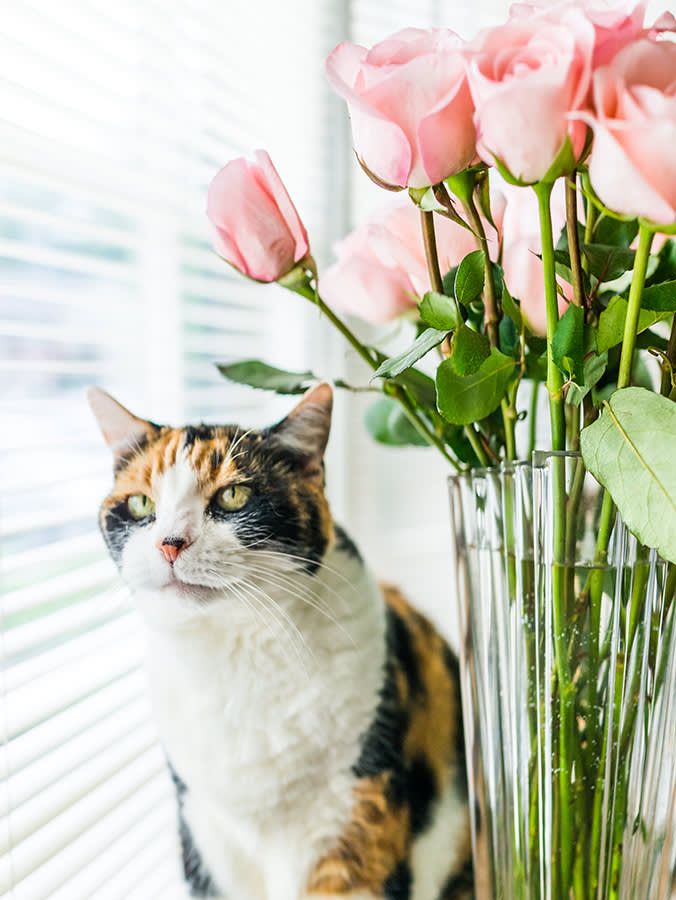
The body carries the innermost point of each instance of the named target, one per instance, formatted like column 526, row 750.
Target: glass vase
column 568, row 669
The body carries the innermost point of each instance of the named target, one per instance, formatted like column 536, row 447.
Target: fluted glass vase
column 568, row 665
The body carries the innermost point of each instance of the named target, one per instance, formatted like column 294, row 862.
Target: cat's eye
column 233, row 497
column 140, row 506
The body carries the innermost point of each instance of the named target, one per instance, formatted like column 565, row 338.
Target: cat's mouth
column 189, row 589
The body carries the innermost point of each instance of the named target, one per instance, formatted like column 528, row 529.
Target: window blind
column 113, row 119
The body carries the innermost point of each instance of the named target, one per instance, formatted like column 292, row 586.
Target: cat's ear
column 305, row 430
column 121, row 429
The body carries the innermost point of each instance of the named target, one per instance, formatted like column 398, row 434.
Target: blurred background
column 114, row 117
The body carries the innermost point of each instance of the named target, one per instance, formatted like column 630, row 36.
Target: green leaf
column 611, row 323
column 629, row 450
column 420, row 386
column 258, row 374
column 607, row 262
column 595, row 366
column 615, row 232
column 665, row 270
column 469, row 279
column 469, row 350
column 387, row 423
column 464, row 399
column 439, row 311
column 430, row 338
column 509, row 337
column 660, row 297
column 568, row 342
column 511, row 307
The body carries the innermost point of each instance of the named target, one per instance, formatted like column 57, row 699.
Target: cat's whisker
column 305, row 594
column 292, row 632
column 282, row 554
column 296, row 639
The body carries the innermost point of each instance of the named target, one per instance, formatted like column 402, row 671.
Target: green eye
column 233, row 497
column 140, row 506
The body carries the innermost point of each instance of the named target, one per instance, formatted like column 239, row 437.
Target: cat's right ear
column 122, row 430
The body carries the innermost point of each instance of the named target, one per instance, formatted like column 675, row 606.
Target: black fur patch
column 116, row 526
column 399, row 641
column 197, row 877
column 460, row 885
column 345, row 544
column 192, row 433
column 397, row 885
column 422, row 790
column 382, row 748
column 451, row 662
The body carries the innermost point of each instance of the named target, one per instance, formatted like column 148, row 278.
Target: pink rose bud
column 526, row 76
column 381, row 270
column 256, row 226
column 633, row 165
column 410, row 105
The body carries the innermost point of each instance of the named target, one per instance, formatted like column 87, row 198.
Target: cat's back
column 408, row 837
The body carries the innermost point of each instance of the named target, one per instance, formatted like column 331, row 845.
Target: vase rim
column 538, row 460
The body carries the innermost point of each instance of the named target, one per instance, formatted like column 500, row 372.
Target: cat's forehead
column 210, row 452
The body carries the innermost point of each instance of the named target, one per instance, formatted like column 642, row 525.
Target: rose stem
column 669, row 365
column 437, row 283
column 431, row 254
column 558, row 425
column 574, row 241
column 492, row 312
column 554, row 377
column 394, row 390
column 645, row 239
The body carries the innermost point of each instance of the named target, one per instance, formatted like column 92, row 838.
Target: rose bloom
column 525, row 77
column 410, row 105
column 381, row 269
column 256, row 226
column 633, row 165
column 614, row 26
column 522, row 248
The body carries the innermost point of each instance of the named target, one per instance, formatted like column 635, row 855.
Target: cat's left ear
column 121, row 430
column 305, row 430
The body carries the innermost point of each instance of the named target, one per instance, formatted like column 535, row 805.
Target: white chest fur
column 264, row 729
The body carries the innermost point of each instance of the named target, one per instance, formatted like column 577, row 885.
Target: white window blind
column 113, row 118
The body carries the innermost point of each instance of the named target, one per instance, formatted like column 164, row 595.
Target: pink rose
column 521, row 250
column 633, row 166
column 614, row 26
column 381, row 269
column 410, row 105
column 256, row 226
column 525, row 77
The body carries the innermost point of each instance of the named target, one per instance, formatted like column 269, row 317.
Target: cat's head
column 196, row 513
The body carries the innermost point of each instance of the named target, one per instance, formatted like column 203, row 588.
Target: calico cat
column 310, row 717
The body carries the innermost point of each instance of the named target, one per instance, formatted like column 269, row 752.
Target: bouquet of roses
column 571, row 101
column 532, row 247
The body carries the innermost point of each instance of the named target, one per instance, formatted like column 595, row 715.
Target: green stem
column 574, row 241
column 418, row 422
column 669, row 366
column 591, row 214
column 473, row 438
column 554, row 376
column 431, row 255
column 492, row 317
column 532, row 417
column 394, row 390
column 305, row 290
column 645, row 239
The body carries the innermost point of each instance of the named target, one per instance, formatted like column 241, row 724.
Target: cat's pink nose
column 171, row 547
